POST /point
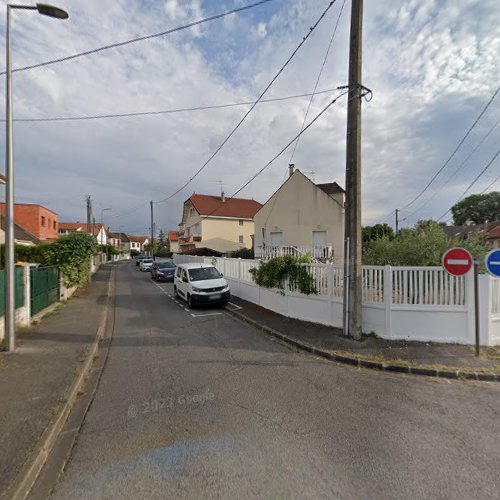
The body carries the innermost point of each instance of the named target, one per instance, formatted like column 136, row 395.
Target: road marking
column 236, row 307
column 208, row 314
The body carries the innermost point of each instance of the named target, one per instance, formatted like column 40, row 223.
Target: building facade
column 38, row 220
column 302, row 217
column 218, row 223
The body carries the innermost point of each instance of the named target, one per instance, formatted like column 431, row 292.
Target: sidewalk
column 35, row 379
column 446, row 360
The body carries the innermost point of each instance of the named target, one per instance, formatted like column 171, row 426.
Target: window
column 191, row 211
column 240, row 222
column 43, row 220
column 240, row 238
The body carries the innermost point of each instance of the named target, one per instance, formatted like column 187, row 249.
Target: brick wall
column 40, row 221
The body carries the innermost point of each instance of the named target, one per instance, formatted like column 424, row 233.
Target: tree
column 423, row 245
column 370, row 233
column 477, row 208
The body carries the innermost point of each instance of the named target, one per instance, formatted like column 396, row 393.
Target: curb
column 367, row 363
column 22, row 485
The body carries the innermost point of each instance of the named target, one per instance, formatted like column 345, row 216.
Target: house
column 114, row 239
column 38, row 220
column 98, row 230
column 302, row 217
column 173, row 238
column 137, row 243
column 21, row 235
column 124, row 242
column 490, row 232
column 218, row 223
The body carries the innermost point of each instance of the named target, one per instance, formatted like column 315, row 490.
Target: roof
column 173, row 236
column 78, row 226
column 123, row 237
column 138, row 239
column 21, row 234
column 194, row 265
column 232, row 207
column 114, row 235
column 330, row 188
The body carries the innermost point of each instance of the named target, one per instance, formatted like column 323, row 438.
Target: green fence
column 19, row 289
column 44, row 288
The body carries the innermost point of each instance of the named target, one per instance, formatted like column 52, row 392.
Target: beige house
column 218, row 223
column 173, row 238
column 302, row 217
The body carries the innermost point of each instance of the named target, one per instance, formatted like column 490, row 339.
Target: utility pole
column 397, row 220
column 353, row 290
column 152, row 231
column 89, row 213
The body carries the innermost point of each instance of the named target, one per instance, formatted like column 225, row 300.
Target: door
column 276, row 239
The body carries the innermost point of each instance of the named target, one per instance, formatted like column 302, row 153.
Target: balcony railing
column 189, row 239
column 322, row 252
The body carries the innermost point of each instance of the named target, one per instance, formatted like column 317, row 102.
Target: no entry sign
column 457, row 261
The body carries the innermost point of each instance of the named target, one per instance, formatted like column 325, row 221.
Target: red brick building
column 38, row 220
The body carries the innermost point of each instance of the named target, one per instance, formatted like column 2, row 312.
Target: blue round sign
column 492, row 263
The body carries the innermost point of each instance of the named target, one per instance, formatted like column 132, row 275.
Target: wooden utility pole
column 397, row 220
column 353, row 290
column 89, row 214
column 152, row 230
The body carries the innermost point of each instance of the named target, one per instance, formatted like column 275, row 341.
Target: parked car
column 140, row 258
column 201, row 284
column 146, row 264
column 163, row 270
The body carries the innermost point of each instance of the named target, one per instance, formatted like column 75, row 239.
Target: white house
column 98, row 230
column 302, row 217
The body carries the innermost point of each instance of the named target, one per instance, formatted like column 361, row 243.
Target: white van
column 200, row 284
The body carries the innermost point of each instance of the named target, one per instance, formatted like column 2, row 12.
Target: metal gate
column 44, row 288
column 19, row 289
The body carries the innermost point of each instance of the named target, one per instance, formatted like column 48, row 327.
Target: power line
column 495, row 156
column 212, row 156
column 454, row 151
column 167, row 111
column 321, row 113
column 318, row 78
column 307, row 110
column 139, row 39
column 460, row 166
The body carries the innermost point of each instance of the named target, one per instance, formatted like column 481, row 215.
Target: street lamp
column 46, row 10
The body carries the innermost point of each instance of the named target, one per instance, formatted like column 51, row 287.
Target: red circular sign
column 457, row 261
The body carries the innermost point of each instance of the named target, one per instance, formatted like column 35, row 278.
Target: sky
column 432, row 67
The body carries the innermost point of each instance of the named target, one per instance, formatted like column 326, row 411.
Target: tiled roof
column 21, row 234
column 173, row 236
column 138, row 239
column 78, row 226
column 231, row 207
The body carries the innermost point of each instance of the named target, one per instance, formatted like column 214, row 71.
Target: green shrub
column 276, row 272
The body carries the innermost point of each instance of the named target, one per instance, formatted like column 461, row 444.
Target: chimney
column 223, row 197
column 291, row 168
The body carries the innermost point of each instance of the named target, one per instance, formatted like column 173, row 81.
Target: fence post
column 388, row 300
column 27, row 294
column 329, row 290
column 469, row 306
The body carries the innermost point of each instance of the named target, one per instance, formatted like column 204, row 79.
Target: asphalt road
column 199, row 405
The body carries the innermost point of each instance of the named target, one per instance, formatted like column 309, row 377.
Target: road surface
column 195, row 404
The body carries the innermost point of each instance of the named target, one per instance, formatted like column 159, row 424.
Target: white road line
column 235, row 306
column 208, row 314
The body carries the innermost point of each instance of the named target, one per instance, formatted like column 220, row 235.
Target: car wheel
column 176, row 293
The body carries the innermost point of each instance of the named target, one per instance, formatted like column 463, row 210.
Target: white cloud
column 432, row 66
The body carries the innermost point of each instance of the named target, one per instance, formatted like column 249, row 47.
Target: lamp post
column 46, row 10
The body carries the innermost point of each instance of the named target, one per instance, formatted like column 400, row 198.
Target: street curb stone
column 367, row 363
column 21, row 487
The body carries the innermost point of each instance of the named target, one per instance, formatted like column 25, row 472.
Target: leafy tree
column 477, row 208
column 242, row 253
column 370, row 233
column 423, row 245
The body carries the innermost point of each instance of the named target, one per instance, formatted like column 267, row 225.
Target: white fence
column 317, row 252
column 410, row 303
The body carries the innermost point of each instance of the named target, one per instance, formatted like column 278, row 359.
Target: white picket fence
column 412, row 303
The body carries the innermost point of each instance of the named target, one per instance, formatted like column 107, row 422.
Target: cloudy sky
column 432, row 65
